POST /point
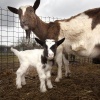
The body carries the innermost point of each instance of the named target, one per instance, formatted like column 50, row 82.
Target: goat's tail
column 16, row 52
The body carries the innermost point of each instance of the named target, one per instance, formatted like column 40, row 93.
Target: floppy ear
column 60, row 41
column 39, row 41
column 14, row 10
column 36, row 5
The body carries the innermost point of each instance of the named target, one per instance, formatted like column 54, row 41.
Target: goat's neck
column 41, row 29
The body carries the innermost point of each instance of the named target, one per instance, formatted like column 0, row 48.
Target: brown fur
column 92, row 13
column 40, row 29
column 95, row 15
column 53, row 30
column 46, row 30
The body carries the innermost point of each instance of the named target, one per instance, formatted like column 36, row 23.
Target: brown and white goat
column 82, row 32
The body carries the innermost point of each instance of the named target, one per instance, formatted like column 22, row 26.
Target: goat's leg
column 59, row 63
column 48, row 78
column 66, row 65
column 23, row 80
column 42, row 78
column 19, row 79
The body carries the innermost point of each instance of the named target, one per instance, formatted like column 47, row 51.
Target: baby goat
column 41, row 59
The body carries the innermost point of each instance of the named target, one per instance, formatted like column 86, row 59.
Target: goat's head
column 50, row 47
column 27, row 15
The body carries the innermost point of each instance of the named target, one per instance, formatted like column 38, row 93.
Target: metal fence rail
column 11, row 34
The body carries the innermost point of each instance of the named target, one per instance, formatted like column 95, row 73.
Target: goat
column 29, row 21
column 81, row 32
column 41, row 59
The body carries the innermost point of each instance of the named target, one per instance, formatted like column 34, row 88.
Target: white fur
column 24, row 9
column 32, row 58
column 49, row 43
column 80, row 38
column 25, row 27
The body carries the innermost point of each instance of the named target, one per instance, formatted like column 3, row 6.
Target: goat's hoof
column 50, row 86
column 57, row 80
column 24, row 83
column 19, row 87
column 43, row 90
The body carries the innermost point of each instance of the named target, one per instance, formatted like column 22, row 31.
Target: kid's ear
column 12, row 9
column 60, row 41
column 39, row 41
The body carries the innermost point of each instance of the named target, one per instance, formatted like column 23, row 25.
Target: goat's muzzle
column 50, row 56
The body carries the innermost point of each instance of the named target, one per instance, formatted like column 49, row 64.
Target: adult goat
column 81, row 32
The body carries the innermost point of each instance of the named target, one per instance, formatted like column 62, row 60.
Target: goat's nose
column 51, row 55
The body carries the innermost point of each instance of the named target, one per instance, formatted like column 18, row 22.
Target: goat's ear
column 39, row 41
column 36, row 5
column 60, row 41
column 12, row 9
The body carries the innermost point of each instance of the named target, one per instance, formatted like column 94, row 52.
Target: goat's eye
column 53, row 47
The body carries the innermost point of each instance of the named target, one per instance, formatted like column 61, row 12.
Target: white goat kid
column 41, row 59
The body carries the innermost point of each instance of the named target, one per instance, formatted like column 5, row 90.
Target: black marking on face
column 54, row 48
column 43, row 59
column 45, row 51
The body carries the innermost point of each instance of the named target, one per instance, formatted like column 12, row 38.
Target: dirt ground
column 84, row 84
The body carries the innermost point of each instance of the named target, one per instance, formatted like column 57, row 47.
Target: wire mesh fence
column 11, row 34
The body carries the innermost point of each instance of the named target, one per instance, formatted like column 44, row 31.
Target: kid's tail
column 16, row 52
